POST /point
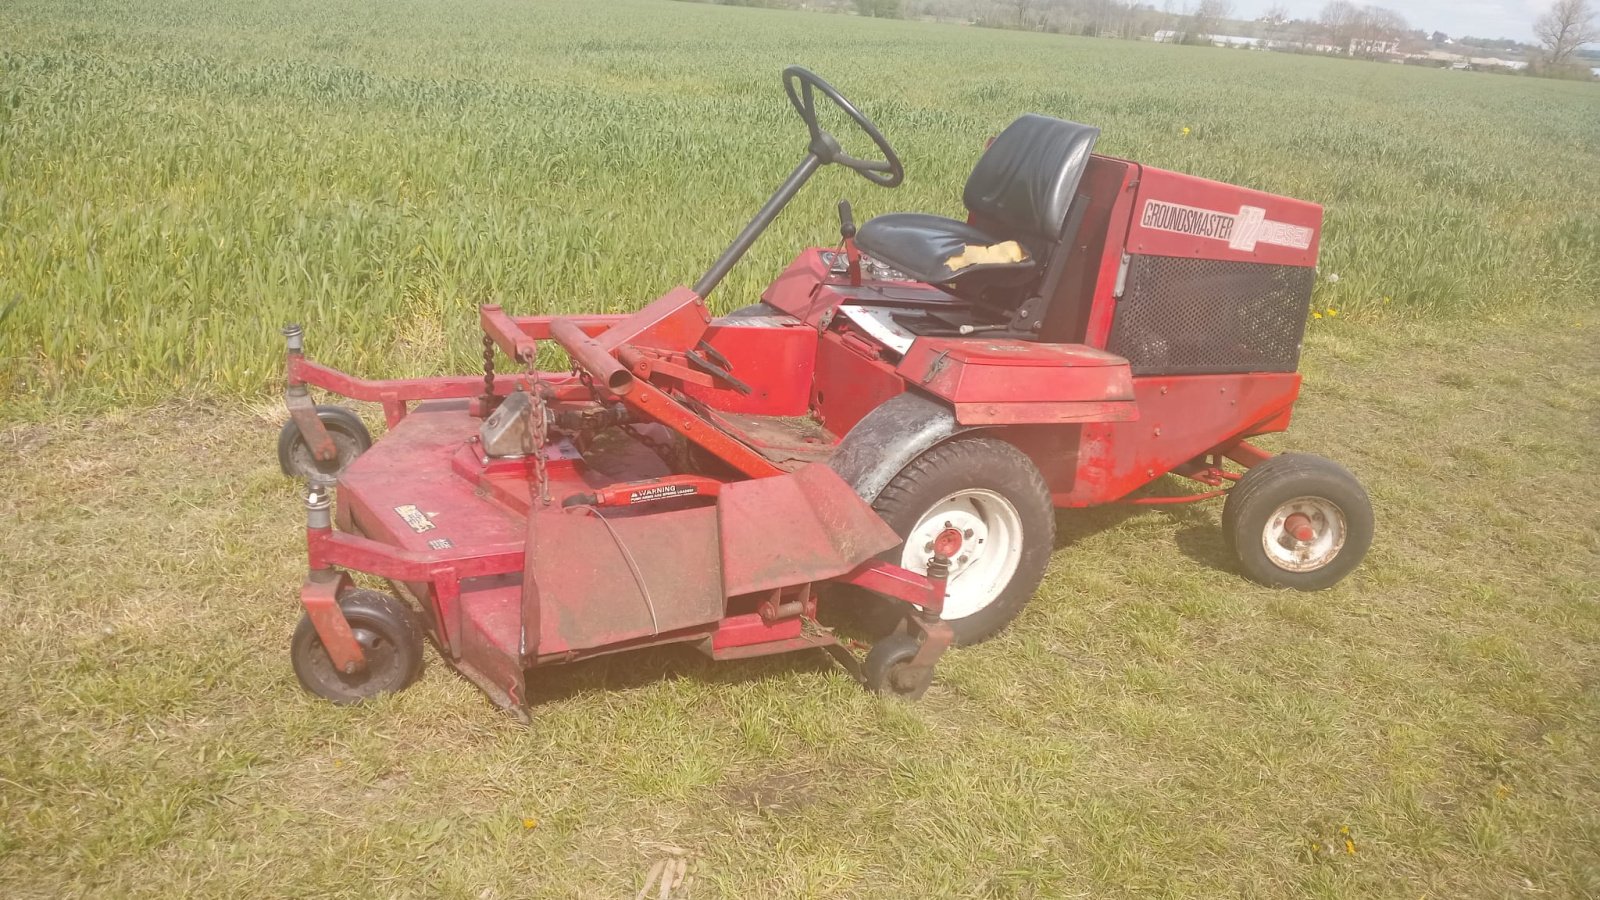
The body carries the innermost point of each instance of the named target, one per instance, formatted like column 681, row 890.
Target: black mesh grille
column 1201, row 316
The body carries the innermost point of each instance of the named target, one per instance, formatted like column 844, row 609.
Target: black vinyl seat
column 1021, row 190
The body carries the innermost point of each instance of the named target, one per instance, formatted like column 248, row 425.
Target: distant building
column 1373, row 47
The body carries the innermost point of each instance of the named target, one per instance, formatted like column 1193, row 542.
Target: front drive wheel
column 390, row 638
column 990, row 496
column 1298, row 521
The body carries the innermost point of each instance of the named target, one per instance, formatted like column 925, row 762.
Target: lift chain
column 488, row 366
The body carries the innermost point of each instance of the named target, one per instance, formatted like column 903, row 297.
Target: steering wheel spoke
column 887, row 172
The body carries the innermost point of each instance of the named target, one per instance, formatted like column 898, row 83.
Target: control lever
column 847, row 232
column 714, row 355
column 716, row 371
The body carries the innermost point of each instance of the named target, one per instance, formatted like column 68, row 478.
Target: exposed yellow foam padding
column 976, row 255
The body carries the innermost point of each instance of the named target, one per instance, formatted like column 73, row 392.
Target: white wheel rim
column 991, row 548
column 1291, row 551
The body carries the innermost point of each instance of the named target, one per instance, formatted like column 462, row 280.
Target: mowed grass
column 178, row 179
column 1153, row 726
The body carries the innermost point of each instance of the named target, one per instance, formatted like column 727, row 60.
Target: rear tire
column 992, row 494
column 1298, row 521
column 349, row 435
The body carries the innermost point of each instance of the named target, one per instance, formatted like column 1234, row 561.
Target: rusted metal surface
column 304, row 413
column 608, row 578
column 320, row 597
column 796, row 528
column 789, row 441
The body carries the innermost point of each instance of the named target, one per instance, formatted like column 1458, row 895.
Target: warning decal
column 662, row 492
column 1241, row 230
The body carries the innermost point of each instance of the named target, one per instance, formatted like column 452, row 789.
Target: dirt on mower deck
column 1153, row 725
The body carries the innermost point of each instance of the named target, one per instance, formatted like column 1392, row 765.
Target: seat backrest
column 1025, row 182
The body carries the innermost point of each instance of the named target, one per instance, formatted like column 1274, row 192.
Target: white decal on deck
column 1242, row 230
column 416, row 518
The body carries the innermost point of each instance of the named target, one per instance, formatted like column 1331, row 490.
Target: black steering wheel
column 886, row 172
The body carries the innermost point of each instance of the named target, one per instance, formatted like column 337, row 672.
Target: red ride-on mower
column 898, row 419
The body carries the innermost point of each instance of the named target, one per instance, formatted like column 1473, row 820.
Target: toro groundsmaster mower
column 894, row 424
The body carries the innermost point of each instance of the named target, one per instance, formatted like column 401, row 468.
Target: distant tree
column 1277, row 14
column 1566, row 26
column 1207, row 16
column 882, row 9
column 1338, row 21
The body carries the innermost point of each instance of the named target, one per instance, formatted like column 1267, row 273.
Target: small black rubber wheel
column 888, row 669
column 1297, row 521
column 349, row 435
column 992, row 494
column 390, row 637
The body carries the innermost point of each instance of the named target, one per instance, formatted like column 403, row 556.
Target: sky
column 1479, row 18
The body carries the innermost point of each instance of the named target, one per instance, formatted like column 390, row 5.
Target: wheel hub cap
column 1304, row 534
column 980, row 532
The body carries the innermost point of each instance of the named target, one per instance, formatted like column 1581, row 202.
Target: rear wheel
column 390, row 638
column 1298, row 521
column 350, row 437
column 987, row 499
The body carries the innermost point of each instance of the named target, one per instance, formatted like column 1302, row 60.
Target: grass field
column 179, row 179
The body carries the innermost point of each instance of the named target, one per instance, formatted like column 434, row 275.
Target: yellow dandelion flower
column 1185, row 131
column 1316, row 315
column 1332, row 313
column 530, row 824
column 1350, row 846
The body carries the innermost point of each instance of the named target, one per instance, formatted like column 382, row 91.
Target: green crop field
column 179, row 179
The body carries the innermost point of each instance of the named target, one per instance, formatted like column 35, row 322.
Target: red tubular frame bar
column 1242, row 452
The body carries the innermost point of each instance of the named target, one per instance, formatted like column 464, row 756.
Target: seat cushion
column 923, row 246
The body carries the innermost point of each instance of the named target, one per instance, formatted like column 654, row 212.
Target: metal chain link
column 488, row 366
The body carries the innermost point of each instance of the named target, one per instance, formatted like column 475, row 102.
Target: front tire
column 390, row 638
column 992, row 495
column 1298, row 521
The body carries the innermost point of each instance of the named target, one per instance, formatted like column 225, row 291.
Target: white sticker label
column 416, row 518
column 1242, row 230
column 440, row 544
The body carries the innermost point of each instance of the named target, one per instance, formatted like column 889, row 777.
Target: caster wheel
column 888, row 669
column 349, row 435
column 390, row 637
column 1298, row 521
